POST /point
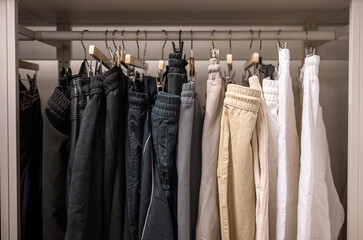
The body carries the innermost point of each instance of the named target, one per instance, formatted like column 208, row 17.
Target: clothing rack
column 27, row 34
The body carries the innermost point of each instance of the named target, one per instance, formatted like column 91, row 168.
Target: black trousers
column 115, row 85
column 56, row 142
column 79, row 97
column 85, row 190
column 134, row 147
column 31, row 137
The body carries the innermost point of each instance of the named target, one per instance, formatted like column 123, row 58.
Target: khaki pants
column 235, row 164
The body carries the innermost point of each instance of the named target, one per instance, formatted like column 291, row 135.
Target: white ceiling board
column 186, row 12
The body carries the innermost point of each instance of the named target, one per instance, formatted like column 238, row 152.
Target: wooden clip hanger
column 252, row 61
column 28, row 65
column 136, row 62
column 99, row 56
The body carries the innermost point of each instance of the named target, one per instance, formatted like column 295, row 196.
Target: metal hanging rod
column 185, row 35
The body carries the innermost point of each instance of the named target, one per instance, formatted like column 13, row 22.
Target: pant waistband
column 59, row 104
column 284, row 55
column 138, row 100
column 96, row 85
column 311, row 65
column 167, row 105
column 214, row 69
column 243, row 97
column 270, row 90
column 187, row 94
column 111, row 79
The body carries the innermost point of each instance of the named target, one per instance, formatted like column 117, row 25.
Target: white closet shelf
column 186, row 12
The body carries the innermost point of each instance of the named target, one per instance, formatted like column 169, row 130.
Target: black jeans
column 85, row 192
column 165, row 119
column 134, row 139
column 31, row 137
column 79, row 97
column 56, row 142
column 164, row 122
column 114, row 84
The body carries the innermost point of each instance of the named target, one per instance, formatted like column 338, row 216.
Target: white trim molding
column 355, row 123
column 9, row 119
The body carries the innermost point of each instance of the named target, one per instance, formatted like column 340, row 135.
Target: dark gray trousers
column 85, row 190
column 189, row 157
column 56, row 142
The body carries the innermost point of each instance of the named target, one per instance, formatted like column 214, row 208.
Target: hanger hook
column 85, row 50
column 113, row 40
column 166, row 39
column 251, row 38
column 180, row 40
column 122, row 40
column 259, row 37
column 137, row 43
column 278, row 37
column 144, row 57
column 213, row 39
column 106, row 38
column 191, row 40
column 230, row 41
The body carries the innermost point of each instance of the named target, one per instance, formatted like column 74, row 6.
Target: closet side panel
column 355, row 116
column 9, row 119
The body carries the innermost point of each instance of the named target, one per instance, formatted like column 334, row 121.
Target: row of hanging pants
column 124, row 161
column 112, row 165
column 266, row 189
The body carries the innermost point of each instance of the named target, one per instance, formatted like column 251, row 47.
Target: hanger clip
column 214, row 53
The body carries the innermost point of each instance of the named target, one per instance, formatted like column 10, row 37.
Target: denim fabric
column 56, row 140
column 31, row 135
column 85, row 191
column 134, row 139
column 79, row 96
column 158, row 221
column 165, row 119
column 146, row 174
column 150, row 88
column 113, row 81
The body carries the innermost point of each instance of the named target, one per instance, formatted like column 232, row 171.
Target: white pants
column 320, row 213
column 283, row 152
column 271, row 94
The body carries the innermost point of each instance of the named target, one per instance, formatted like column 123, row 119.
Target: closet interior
column 59, row 41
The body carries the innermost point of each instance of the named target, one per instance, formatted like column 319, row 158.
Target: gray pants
column 189, row 159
